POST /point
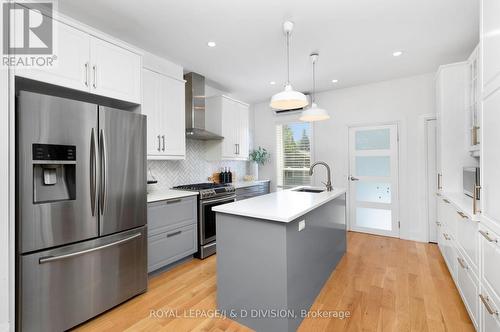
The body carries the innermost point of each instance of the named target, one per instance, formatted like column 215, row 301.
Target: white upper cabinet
column 490, row 40
column 164, row 106
column 116, row 72
column 473, row 127
column 90, row 64
column 71, row 69
column 228, row 118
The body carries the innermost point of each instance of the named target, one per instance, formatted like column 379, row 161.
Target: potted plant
column 259, row 156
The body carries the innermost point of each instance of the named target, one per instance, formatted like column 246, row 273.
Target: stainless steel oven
column 207, row 223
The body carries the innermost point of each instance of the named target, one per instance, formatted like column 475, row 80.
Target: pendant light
column 289, row 98
column 314, row 113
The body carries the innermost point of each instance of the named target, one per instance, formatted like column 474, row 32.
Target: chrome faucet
column 328, row 183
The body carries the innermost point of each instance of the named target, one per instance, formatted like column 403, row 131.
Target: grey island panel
column 268, row 273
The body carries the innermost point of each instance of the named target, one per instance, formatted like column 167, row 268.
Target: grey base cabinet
column 172, row 231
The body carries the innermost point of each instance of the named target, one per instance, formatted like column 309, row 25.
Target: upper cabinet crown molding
column 162, row 66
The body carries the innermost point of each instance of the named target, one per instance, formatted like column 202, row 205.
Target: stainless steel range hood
column 195, row 108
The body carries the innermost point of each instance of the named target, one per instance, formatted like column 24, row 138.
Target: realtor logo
column 26, row 30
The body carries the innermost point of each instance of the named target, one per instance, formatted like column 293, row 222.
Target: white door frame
column 424, row 121
column 398, row 160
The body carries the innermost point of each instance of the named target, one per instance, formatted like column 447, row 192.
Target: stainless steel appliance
column 471, row 181
column 209, row 195
column 80, row 210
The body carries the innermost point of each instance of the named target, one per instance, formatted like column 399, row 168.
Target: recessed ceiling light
column 272, row 82
column 335, row 81
column 211, row 44
column 397, row 53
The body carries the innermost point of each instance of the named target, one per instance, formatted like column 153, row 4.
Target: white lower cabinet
column 489, row 311
column 490, row 259
column 467, row 239
column 468, row 285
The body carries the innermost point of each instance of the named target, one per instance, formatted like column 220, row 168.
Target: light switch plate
column 302, row 225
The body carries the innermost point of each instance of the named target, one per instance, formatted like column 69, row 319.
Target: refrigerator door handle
column 103, row 171
column 78, row 253
column 93, row 172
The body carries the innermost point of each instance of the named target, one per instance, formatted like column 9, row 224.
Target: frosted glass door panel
column 374, row 218
column 373, row 192
column 378, row 139
column 373, row 166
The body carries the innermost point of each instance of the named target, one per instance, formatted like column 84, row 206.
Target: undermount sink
column 309, row 190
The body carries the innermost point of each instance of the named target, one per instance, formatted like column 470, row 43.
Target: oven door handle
column 230, row 199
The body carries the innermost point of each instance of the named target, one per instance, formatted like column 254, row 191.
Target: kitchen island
column 274, row 254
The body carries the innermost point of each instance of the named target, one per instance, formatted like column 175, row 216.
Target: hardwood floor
column 386, row 284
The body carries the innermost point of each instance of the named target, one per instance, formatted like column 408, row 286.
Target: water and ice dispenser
column 54, row 168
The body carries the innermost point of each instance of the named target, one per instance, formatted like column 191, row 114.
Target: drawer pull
column 487, row 305
column 172, row 201
column 446, row 236
column 488, row 237
column 446, row 201
column 438, row 223
column 438, row 194
column 462, row 263
column 174, row 233
column 461, row 214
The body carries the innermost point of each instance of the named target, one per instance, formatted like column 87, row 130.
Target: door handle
column 174, row 233
column 474, row 200
column 86, row 74
column 103, row 170
column 352, row 178
column 488, row 237
column 163, row 140
column 93, row 171
column 462, row 263
column 487, row 305
column 94, row 69
column 159, row 143
column 78, row 253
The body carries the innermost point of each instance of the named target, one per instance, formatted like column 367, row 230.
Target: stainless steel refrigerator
column 80, row 210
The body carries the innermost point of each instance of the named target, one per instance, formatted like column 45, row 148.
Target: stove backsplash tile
column 194, row 169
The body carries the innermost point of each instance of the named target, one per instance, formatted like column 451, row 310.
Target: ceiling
column 355, row 38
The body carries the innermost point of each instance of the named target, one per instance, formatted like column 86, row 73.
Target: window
column 293, row 154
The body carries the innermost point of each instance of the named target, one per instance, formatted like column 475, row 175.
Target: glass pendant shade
column 314, row 113
column 288, row 99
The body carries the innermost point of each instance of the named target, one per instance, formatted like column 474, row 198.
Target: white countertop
column 282, row 206
column 462, row 203
column 169, row 194
column 244, row 184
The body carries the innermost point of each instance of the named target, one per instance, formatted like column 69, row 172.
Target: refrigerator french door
column 80, row 210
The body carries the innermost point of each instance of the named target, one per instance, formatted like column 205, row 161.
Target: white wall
column 403, row 100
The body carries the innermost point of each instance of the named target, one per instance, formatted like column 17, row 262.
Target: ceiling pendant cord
column 288, row 57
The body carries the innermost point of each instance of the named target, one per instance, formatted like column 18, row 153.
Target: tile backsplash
column 194, row 169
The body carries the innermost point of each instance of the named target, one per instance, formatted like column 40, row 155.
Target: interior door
column 373, row 189
column 122, row 154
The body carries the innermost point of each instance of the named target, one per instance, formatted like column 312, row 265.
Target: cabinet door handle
column 446, row 236
column 238, row 146
column 487, row 305
column 86, row 74
column 163, row 141
column 438, row 223
column 462, row 263
column 159, row 144
column 236, row 149
column 474, row 200
column 439, row 181
column 446, row 201
column 172, row 201
column 488, row 237
column 94, row 84
column 174, row 233
column 461, row 214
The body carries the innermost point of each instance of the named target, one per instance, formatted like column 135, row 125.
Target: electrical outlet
column 302, row 225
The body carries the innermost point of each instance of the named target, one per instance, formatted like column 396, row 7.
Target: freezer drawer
column 66, row 286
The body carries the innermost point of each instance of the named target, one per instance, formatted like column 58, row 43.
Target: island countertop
column 281, row 206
